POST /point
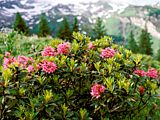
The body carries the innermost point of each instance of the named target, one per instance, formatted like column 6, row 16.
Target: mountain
column 134, row 18
column 119, row 18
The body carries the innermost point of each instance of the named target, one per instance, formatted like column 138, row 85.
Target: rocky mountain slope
column 120, row 19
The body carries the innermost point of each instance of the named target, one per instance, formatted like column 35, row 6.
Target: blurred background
column 120, row 19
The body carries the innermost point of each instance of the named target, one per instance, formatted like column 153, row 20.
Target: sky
column 135, row 2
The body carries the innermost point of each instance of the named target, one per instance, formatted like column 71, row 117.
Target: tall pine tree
column 145, row 43
column 75, row 25
column 132, row 45
column 43, row 27
column 64, row 31
column 158, row 54
column 20, row 25
column 99, row 29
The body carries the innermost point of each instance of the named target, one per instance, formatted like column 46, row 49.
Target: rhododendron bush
column 79, row 80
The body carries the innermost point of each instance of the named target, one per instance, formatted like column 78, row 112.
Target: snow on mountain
column 33, row 8
column 86, row 10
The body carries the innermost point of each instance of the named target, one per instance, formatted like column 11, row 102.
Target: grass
column 129, row 12
column 156, row 44
column 112, row 26
column 21, row 44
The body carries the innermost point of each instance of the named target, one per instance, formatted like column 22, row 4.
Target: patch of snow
column 23, row 2
column 26, row 17
column 60, row 20
column 96, row 8
column 79, row 17
column 37, row 22
column 65, row 12
column 90, row 20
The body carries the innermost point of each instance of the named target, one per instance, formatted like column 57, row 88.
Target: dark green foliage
column 99, row 29
column 86, row 28
column 153, row 11
column 145, row 43
column 117, row 39
column 43, row 28
column 158, row 55
column 65, row 94
column 149, row 61
column 75, row 25
column 20, row 25
column 64, row 31
column 132, row 45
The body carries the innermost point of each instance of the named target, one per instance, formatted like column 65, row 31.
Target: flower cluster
column 48, row 51
column 90, row 45
column 7, row 54
column 24, row 61
column 63, row 48
column 152, row 73
column 48, row 67
column 140, row 72
column 107, row 53
column 96, row 90
column 30, row 68
column 8, row 60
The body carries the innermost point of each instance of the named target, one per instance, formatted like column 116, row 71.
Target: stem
column 135, row 85
column 3, row 104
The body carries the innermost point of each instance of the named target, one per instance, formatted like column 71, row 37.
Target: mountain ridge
column 85, row 12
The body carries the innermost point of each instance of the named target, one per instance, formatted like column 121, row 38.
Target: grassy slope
column 22, row 44
column 113, row 26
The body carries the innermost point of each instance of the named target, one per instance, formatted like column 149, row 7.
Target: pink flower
column 140, row 72
column 7, row 54
column 48, row 67
column 63, row 48
column 152, row 73
column 48, row 51
column 23, row 60
column 8, row 61
column 90, row 46
column 107, row 53
column 30, row 68
column 96, row 90
column 30, row 60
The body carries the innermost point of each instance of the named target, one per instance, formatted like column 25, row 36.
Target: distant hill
column 119, row 19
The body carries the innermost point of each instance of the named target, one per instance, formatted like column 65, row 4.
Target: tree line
column 64, row 32
column 143, row 45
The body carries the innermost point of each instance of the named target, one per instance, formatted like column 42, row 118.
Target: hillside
column 120, row 19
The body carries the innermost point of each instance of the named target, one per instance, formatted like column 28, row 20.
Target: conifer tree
column 158, row 55
column 99, row 29
column 145, row 43
column 64, row 31
column 75, row 25
column 132, row 45
column 20, row 25
column 43, row 27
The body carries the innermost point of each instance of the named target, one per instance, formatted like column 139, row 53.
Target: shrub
column 77, row 82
